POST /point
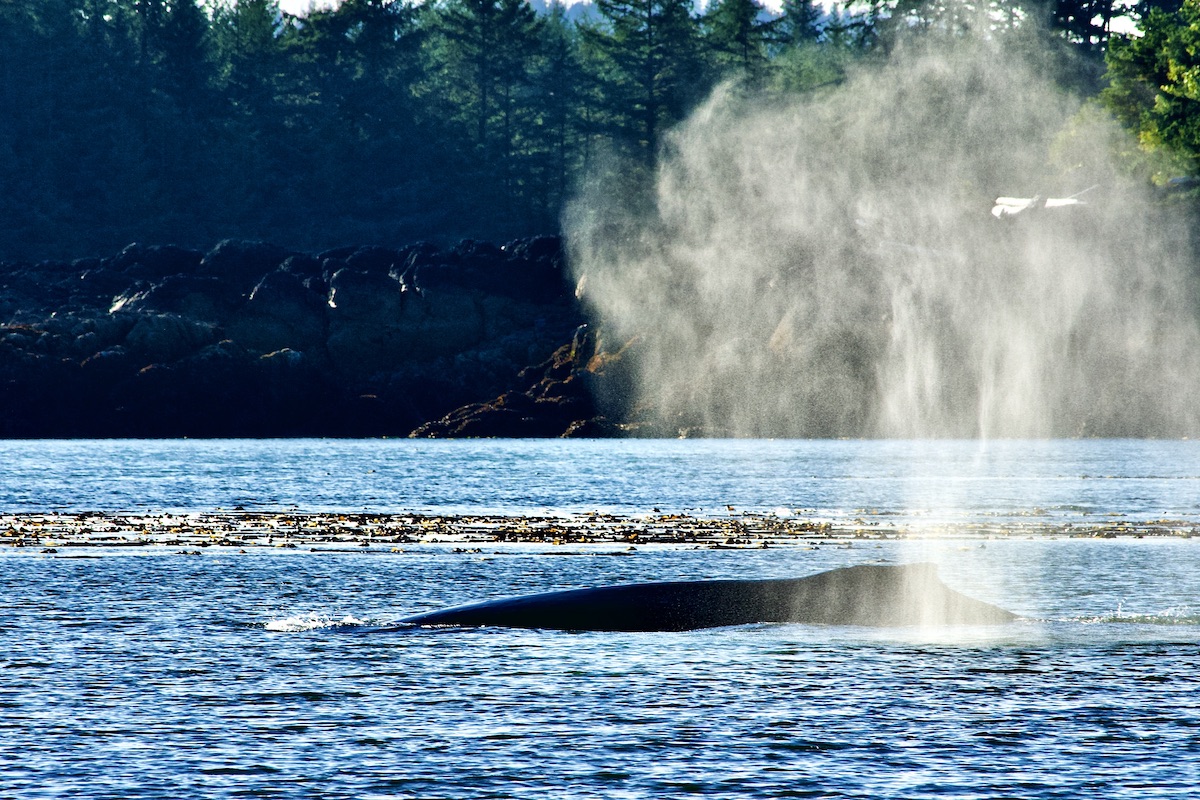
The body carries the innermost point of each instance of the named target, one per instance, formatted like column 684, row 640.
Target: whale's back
column 873, row 595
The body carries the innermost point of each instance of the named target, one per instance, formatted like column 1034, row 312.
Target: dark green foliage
column 799, row 24
column 1087, row 23
column 553, row 138
column 739, row 35
column 484, row 57
column 647, row 54
column 1153, row 87
column 389, row 120
column 489, row 49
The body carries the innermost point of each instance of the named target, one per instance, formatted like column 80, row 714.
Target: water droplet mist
column 829, row 266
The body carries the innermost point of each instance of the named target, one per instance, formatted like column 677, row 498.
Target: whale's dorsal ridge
column 865, row 594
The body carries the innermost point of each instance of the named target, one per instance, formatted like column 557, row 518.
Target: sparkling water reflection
column 1060, row 481
column 154, row 676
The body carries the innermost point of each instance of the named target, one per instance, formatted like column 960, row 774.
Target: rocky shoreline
column 251, row 531
column 253, row 340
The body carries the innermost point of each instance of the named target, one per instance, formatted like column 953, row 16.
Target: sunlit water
column 152, row 674
column 959, row 481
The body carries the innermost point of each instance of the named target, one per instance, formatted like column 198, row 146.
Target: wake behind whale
column 870, row 595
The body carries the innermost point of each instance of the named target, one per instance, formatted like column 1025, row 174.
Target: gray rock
column 166, row 337
column 204, row 298
column 280, row 313
column 156, row 261
column 241, row 263
column 364, row 296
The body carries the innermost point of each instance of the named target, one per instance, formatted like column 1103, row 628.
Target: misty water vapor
column 830, row 266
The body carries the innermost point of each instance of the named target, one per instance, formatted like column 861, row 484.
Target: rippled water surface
column 156, row 676
column 152, row 674
column 927, row 480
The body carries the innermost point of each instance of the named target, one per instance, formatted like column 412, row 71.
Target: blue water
column 957, row 481
column 149, row 674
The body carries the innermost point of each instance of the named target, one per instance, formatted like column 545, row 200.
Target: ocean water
column 1060, row 481
column 151, row 674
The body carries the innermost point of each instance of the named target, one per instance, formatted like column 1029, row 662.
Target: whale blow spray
column 831, row 266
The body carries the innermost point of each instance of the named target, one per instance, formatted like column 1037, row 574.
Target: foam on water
column 310, row 621
column 1181, row 615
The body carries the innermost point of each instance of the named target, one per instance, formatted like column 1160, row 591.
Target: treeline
column 1154, row 89
column 387, row 121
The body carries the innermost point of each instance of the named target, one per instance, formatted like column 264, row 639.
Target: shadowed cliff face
column 250, row 339
column 830, row 266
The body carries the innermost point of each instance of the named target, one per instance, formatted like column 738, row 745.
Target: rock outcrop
column 250, row 339
column 584, row 390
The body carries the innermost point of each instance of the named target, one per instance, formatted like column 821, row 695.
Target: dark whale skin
column 870, row 595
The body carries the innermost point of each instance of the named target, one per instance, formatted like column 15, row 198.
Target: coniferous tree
column 35, row 72
column 373, row 120
column 182, row 42
column 253, row 146
column 490, row 45
column 806, row 58
column 481, row 55
column 247, row 43
column 354, row 113
column 1153, row 88
column 1086, row 23
column 651, row 73
column 800, row 23
column 146, row 20
column 738, row 34
column 553, row 139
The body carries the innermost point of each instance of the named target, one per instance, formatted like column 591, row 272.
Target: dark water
column 151, row 674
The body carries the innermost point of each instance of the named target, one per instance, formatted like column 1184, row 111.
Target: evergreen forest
column 392, row 121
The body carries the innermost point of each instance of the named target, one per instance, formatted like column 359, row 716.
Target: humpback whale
column 874, row 595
